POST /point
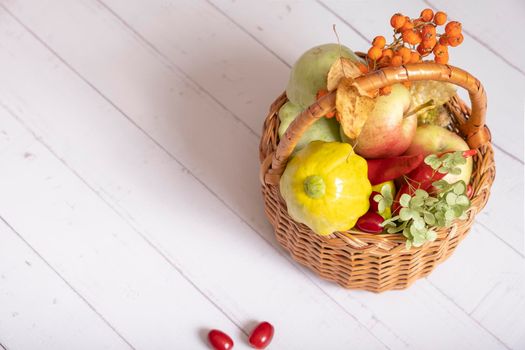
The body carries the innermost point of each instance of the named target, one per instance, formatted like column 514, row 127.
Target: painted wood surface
column 130, row 205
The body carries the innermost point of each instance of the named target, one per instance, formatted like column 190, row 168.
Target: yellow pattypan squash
column 326, row 187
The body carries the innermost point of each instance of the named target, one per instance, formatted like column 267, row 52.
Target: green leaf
column 429, row 219
column 431, row 235
column 451, row 198
column 386, row 192
column 454, row 171
column 459, row 187
column 419, row 223
column 405, row 214
column 416, row 202
column 463, row 201
column 458, row 211
column 430, row 201
column 449, row 215
column 440, row 184
column 421, row 193
column 432, row 158
column 381, row 207
column 406, row 233
column 404, row 200
column 396, row 229
column 440, row 219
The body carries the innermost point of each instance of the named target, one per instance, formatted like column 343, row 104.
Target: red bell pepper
column 422, row 177
column 385, row 169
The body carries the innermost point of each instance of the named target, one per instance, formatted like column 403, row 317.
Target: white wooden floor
column 130, row 209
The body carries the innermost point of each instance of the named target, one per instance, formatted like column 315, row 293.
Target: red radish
column 385, row 169
column 262, row 335
column 374, row 206
column 220, row 340
column 370, row 222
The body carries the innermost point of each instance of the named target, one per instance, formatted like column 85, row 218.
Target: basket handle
column 474, row 128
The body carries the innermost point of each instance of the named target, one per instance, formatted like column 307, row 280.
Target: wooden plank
column 493, row 24
column 96, row 252
column 489, row 285
column 279, row 16
column 232, row 266
column 132, row 192
column 38, row 310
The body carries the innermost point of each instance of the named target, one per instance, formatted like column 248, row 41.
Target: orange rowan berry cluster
column 414, row 39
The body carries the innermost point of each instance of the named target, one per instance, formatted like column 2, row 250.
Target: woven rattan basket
column 359, row 260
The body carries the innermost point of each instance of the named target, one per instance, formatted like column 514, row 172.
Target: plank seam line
column 247, row 32
column 508, row 153
column 348, row 24
column 501, row 239
column 67, row 283
column 159, row 145
column 121, row 216
column 485, row 45
column 172, row 66
column 482, row 300
column 467, row 314
column 287, row 258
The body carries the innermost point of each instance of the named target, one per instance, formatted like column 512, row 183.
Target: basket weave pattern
column 360, row 260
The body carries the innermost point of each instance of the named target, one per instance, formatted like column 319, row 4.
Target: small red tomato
column 370, row 222
column 374, row 206
column 220, row 340
column 262, row 335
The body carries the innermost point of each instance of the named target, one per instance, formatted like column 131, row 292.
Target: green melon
column 308, row 74
column 323, row 129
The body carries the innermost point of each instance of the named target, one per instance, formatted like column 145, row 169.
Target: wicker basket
column 360, row 260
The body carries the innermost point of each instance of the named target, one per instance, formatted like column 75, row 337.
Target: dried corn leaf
column 352, row 108
column 341, row 68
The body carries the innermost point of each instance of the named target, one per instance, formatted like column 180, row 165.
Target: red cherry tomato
column 220, row 340
column 262, row 335
column 370, row 222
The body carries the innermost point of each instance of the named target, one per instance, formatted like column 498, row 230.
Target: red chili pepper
column 374, row 206
column 422, row 177
column 220, row 340
column 385, row 169
column 469, row 191
column 370, row 222
column 262, row 335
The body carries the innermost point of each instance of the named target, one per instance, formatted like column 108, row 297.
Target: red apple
column 436, row 139
column 387, row 133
